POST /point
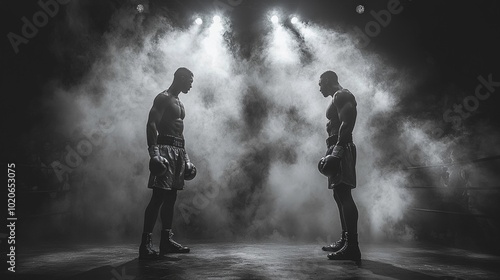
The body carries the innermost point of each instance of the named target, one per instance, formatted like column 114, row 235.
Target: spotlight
column 216, row 19
column 274, row 19
column 140, row 8
column 294, row 20
column 198, row 21
column 360, row 9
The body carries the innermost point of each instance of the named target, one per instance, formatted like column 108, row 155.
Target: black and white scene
column 251, row 139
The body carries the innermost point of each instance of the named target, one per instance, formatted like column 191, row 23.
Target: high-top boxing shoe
column 168, row 245
column 146, row 251
column 337, row 245
column 350, row 251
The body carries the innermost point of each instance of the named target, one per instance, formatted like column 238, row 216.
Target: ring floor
column 253, row 261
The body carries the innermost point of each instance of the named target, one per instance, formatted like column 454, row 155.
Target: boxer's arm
column 186, row 157
column 347, row 116
column 155, row 115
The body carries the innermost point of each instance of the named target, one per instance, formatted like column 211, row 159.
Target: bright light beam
column 140, row 8
column 198, row 21
column 274, row 19
column 294, row 20
column 282, row 49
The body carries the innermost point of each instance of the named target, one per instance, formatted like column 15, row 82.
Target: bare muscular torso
column 172, row 120
column 333, row 124
column 332, row 114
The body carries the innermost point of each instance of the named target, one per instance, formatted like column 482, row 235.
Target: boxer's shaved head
column 330, row 76
column 183, row 78
column 329, row 83
column 183, row 72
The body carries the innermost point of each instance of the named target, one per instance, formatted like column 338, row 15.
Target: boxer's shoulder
column 342, row 97
column 163, row 98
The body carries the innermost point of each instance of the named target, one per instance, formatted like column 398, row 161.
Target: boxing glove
column 158, row 165
column 320, row 164
column 154, row 151
column 338, row 151
column 189, row 171
column 329, row 166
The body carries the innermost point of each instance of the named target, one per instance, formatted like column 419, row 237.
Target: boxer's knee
column 170, row 196
column 343, row 192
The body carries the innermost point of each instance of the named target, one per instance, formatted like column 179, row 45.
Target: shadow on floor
column 165, row 268
column 388, row 270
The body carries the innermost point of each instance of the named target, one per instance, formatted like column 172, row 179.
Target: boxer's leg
column 341, row 210
column 167, row 244
column 350, row 251
column 337, row 245
column 347, row 208
column 150, row 215
column 167, row 210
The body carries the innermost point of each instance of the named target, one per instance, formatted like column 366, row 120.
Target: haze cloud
column 254, row 127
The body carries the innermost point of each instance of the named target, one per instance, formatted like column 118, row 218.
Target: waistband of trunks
column 170, row 140
column 332, row 140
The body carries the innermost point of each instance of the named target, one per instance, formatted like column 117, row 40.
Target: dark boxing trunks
column 170, row 140
column 347, row 174
column 332, row 140
column 171, row 148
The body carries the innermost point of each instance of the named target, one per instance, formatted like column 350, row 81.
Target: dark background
column 451, row 42
column 447, row 44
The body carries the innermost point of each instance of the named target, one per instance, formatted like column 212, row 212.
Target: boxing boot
column 168, row 245
column 146, row 251
column 337, row 245
column 350, row 251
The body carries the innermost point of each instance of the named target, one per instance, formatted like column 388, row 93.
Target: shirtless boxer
column 339, row 165
column 169, row 164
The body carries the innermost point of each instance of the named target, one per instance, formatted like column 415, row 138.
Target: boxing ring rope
column 454, row 213
column 454, row 163
column 43, row 191
column 495, row 188
column 50, row 214
column 489, row 188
